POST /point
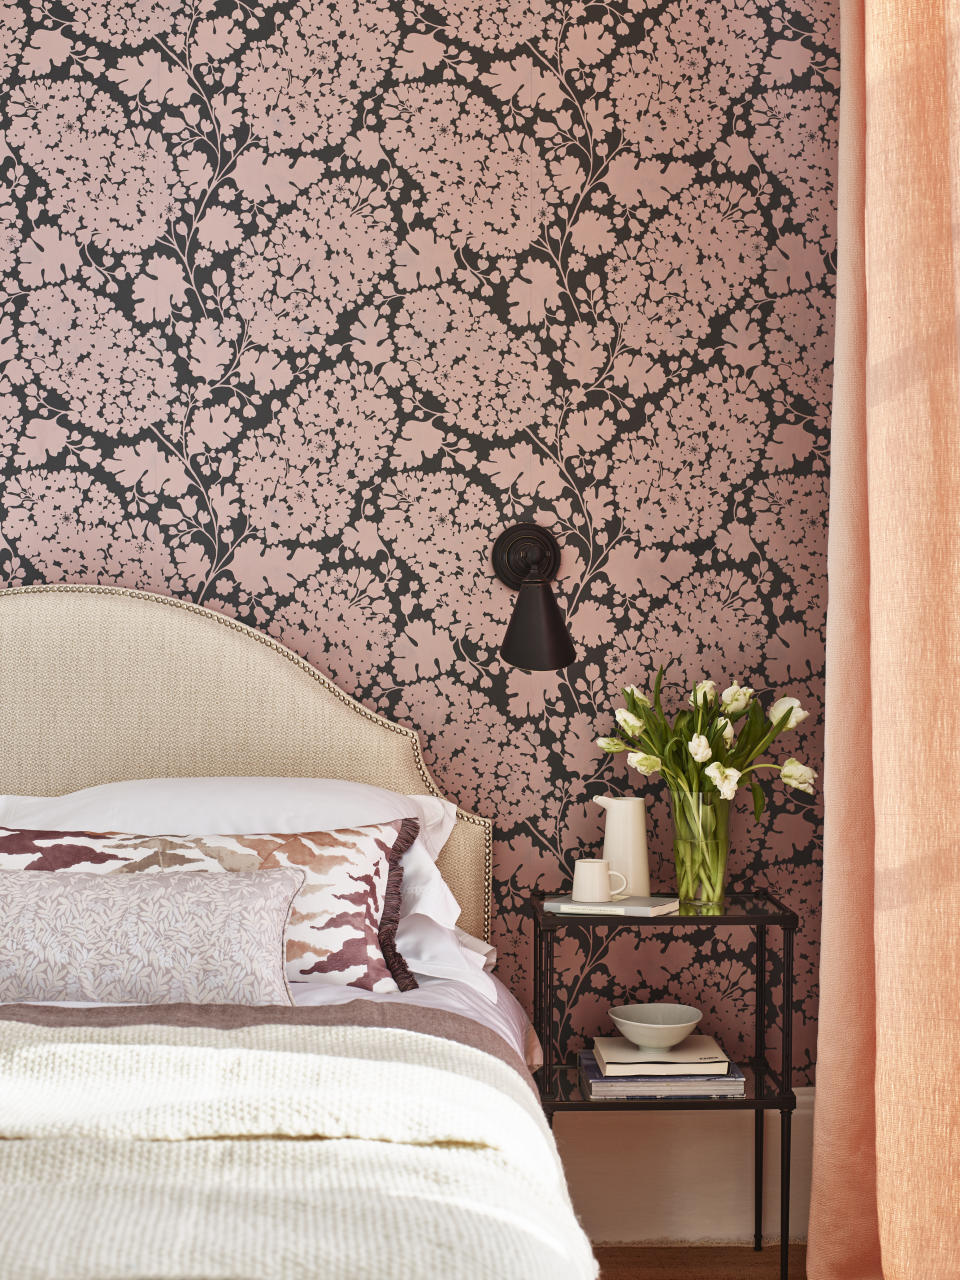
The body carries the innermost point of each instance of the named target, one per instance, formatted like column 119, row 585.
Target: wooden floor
column 618, row 1262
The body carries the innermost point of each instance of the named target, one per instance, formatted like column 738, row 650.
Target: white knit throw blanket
column 274, row 1152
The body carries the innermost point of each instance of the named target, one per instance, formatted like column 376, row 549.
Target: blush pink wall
column 301, row 304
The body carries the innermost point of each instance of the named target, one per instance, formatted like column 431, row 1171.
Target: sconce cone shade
column 537, row 637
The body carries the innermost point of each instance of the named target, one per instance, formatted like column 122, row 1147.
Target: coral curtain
column 886, row 1190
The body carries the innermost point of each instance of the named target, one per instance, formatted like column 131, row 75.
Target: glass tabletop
column 736, row 908
column 563, row 1090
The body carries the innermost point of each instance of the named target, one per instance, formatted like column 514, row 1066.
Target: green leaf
column 656, row 693
column 759, row 799
column 751, row 734
column 767, row 735
column 655, row 727
column 756, row 721
column 675, row 752
column 781, row 724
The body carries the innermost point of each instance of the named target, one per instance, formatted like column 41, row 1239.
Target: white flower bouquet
column 712, row 749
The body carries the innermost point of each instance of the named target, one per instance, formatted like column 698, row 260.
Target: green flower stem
column 713, row 863
column 701, row 844
column 761, row 764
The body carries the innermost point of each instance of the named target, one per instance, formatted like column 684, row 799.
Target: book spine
column 601, row 910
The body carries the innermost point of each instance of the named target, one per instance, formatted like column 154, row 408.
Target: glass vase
column 701, row 842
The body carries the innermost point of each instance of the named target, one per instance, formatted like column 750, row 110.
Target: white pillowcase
column 427, row 937
column 432, row 950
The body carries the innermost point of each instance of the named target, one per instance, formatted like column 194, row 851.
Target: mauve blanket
column 335, row 1143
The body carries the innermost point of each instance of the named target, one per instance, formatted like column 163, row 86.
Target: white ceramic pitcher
column 625, row 840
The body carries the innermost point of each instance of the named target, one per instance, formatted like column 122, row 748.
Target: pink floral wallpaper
column 300, row 304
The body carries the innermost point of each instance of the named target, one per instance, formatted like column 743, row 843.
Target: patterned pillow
column 343, row 926
column 169, row 939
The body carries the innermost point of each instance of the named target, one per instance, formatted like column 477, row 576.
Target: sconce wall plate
column 521, row 548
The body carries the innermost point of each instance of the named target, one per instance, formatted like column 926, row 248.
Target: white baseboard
column 682, row 1176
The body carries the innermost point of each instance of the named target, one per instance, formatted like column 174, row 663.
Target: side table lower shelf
column 763, row 1091
column 563, row 1093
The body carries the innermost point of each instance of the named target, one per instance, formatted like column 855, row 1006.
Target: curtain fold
column 886, row 1188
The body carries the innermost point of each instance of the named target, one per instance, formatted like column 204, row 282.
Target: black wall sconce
column 526, row 557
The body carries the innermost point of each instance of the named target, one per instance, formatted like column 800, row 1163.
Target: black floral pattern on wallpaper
column 300, row 304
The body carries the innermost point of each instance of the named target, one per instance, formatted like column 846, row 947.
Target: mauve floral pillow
column 169, row 939
column 343, row 926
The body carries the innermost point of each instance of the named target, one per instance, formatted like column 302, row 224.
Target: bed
column 355, row 1136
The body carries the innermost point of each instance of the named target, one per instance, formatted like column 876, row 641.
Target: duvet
column 336, row 1143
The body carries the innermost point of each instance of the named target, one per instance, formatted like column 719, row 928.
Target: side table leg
column 537, row 979
column 758, row 1123
column 786, row 1082
column 785, row 1118
column 760, row 1078
column 548, row 1000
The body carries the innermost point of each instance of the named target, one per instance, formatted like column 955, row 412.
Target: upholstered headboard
column 99, row 684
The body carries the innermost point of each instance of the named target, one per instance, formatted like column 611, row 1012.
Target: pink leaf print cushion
column 343, row 924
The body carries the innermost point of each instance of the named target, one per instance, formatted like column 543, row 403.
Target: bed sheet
column 507, row 1017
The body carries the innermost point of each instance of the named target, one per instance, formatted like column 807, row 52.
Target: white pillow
column 427, row 938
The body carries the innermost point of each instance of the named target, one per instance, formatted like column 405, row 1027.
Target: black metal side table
column 766, row 1090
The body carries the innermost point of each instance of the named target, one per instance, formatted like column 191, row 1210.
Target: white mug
column 592, row 879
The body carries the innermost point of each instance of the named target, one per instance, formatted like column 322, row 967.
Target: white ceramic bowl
column 655, row 1026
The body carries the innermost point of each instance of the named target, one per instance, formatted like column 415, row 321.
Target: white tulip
column 629, row 723
column 640, row 697
column 780, row 708
column 699, row 748
column 643, row 763
column 799, row 776
column 736, row 698
column 725, row 780
column 726, row 728
column 705, row 691
column 611, row 745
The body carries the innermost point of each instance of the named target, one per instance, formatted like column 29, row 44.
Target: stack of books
column 696, row 1068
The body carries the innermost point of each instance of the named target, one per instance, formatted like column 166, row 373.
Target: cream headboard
column 99, row 684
